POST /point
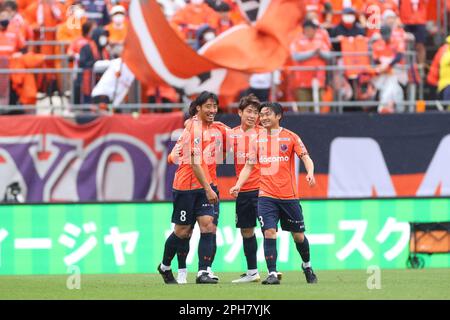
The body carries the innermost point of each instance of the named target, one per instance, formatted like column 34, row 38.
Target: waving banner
column 155, row 54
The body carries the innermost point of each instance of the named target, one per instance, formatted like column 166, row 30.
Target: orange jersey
column 413, row 11
column 241, row 144
column 303, row 79
column 193, row 16
column 117, row 35
column 10, row 42
column 276, row 157
column 203, row 143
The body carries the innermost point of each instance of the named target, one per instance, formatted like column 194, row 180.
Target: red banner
column 113, row 158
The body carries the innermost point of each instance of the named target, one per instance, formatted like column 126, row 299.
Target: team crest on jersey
column 283, row 147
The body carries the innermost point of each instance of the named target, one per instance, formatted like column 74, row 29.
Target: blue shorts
column 418, row 30
column 247, row 209
column 216, row 206
column 288, row 212
column 190, row 204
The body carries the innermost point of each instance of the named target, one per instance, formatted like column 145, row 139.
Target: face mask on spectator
column 208, row 36
column 4, row 23
column 102, row 41
column 118, row 18
column 348, row 18
column 78, row 13
column 196, row 2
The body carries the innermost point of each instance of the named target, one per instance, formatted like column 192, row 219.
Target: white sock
column 306, row 264
column 274, row 274
column 251, row 272
column 182, row 270
column 209, row 270
column 164, row 268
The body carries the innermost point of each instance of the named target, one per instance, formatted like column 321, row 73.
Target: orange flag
column 155, row 53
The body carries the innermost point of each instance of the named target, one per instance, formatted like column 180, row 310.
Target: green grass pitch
column 342, row 284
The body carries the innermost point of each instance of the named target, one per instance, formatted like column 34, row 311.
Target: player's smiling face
column 268, row 118
column 249, row 116
column 207, row 111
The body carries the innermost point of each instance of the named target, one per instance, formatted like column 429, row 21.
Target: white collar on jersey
column 276, row 133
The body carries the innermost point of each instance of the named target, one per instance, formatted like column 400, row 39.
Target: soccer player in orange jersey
column 278, row 200
column 219, row 131
column 239, row 139
column 194, row 198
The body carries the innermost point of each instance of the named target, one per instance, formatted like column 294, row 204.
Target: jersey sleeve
column 299, row 147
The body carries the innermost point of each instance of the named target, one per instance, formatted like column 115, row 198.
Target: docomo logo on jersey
column 264, row 159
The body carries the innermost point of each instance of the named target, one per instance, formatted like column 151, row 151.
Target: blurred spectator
column 338, row 7
column 85, row 51
column 387, row 53
column 96, row 11
column 170, row 7
column 10, row 44
column 261, row 84
column 101, row 38
column 373, row 10
column 44, row 16
column 225, row 20
column 321, row 33
column 309, row 51
column 194, row 15
column 413, row 14
column 70, row 29
column 113, row 85
column 204, row 34
column 349, row 27
column 17, row 23
column 118, row 27
column 322, row 10
column 439, row 74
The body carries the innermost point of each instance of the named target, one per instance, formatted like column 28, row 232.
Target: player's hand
column 212, row 196
column 234, row 191
column 177, row 150
column 311, row 180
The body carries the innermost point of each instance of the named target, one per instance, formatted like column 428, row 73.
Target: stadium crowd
column 346, row 50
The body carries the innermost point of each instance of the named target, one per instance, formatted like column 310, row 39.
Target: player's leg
column 216, row 222
column 268, row 215
column 182, row 217
column 246, row 216
column 205, row 219
column 292, row 221
column 182, row 253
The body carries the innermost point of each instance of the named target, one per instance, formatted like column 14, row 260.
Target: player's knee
column 183, row 232
column 270, row 234
column 247, row 232
column 206, row 224
column 299, row 237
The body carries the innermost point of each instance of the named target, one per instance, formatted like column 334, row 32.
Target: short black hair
column 249, row 100
column 310, row 23
column 274, row 106
column 10, row 4
column 86, row 28
column 200, row 100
